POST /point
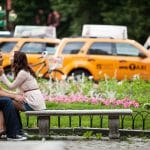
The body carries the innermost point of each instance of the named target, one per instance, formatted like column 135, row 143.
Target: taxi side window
column 72, row 47
column 125, row 49
column 99, row 48
column 33, row 48
column 6, row 47
column 51, row 48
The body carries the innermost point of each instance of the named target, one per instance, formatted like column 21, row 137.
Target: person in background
column 53, row 19
column 9, row 114
column 25, row 81
column 40, row 18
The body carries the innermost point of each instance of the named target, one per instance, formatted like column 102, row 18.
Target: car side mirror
column 142, row 55
column 44, row 53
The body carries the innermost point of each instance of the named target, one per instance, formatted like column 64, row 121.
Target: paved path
column 77, row 144
column 31, row 145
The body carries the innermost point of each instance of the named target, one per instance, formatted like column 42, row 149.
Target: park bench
column 113, row 118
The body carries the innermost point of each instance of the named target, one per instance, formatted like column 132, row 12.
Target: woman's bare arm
column 12, row 95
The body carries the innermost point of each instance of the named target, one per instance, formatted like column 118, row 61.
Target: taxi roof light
column 105, row 31
column 35, row 31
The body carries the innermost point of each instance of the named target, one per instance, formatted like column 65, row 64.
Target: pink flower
column 94, row 101
column 127, row 104
column 79, row 97
column 119, row 102
column 106, row 102
column 135, row 104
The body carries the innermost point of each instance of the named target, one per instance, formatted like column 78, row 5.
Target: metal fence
column 126, row 122
column 142, row 116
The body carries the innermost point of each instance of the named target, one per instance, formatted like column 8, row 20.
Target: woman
column 25, row 81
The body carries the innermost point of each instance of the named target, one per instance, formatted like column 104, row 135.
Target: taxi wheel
column 78, row 74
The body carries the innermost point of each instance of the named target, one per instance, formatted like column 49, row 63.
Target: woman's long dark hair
column 20, row 62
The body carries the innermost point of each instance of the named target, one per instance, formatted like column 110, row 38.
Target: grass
column 64, row 121
column 137, row 89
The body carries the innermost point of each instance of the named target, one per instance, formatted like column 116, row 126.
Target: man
column 11, row 117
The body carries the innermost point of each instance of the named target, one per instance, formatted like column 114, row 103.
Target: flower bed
column 111, row 93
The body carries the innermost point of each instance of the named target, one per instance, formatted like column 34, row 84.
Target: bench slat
column 81, row 112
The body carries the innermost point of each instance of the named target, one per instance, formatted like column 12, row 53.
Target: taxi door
column 131, row 62
column 100, row 56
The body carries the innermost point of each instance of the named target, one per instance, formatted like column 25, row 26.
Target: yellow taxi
column 104, row 57
column 33, row 47
column 6, row 47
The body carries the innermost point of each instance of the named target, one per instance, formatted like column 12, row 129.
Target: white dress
column 27, row 84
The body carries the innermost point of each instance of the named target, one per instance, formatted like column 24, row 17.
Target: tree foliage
column 74, row 13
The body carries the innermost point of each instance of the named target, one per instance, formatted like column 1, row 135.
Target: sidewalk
column 77, row 144
column 31, row 145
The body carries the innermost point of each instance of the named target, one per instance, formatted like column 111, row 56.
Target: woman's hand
column 19, row 98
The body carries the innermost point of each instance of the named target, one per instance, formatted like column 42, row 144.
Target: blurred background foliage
column 74, row 13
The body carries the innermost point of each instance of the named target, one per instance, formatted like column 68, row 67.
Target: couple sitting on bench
column 28, row 98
